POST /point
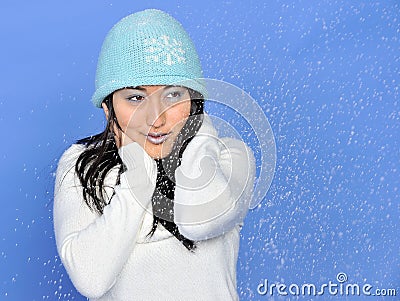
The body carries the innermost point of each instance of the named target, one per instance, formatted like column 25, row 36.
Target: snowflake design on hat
column 165, row 50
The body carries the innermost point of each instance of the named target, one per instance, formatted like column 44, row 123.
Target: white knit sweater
column 109, row 257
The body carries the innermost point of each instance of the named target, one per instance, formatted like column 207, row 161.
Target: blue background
column 326, row 74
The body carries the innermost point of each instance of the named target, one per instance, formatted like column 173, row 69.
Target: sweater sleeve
column 213, row 188
column 92, row 247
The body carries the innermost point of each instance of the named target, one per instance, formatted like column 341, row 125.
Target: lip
column 157, row 138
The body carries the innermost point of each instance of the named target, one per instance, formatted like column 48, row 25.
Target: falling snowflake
column 165, row 50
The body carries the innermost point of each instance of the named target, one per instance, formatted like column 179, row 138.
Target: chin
column 157, row 154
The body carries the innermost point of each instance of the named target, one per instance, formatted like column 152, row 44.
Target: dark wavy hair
column 101, row 155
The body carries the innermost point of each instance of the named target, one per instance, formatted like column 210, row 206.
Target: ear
column 105, row 109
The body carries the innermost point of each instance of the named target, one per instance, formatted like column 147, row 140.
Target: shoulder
column 226, row 144
column 237, row 148
column 68, row 159
column 233, row 143
column 230, row 149
column 71, row 154
column 73, row 151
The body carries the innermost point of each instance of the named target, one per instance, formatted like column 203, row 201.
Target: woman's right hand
column 141, row 173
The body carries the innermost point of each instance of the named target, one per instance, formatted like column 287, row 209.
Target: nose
column 155, row 116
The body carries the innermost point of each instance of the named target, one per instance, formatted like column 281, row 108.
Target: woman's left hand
column 213, row 184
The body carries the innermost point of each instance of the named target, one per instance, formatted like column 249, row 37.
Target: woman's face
column 152, row 115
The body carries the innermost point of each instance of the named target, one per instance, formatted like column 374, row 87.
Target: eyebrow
column 144, row 89
column 136, row 88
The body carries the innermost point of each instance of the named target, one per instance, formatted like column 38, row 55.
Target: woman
column 151, row 208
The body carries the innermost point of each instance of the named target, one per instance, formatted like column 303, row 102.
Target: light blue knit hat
column 147, row 48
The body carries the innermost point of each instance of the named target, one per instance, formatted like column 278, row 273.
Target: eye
column 135, row 98
column 175, row 94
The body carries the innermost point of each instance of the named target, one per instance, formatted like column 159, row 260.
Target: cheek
column 126, row 117
column 179, row 113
